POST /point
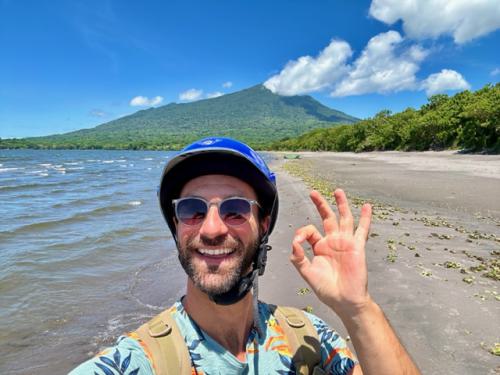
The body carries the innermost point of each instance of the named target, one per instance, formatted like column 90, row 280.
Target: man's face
column 217, row 272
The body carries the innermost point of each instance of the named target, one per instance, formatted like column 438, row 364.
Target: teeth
column 215, row 251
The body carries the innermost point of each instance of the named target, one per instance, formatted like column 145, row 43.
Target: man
column 220, row 201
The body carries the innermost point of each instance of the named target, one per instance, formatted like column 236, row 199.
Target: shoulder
column 336, row 356
column 127, row 357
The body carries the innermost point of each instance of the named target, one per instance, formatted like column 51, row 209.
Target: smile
column 215, row 252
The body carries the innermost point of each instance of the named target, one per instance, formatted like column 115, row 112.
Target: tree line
column 467, row 120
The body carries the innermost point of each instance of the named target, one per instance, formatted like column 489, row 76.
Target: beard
column 217, row 279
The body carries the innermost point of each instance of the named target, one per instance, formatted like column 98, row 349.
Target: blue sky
column 67, row 65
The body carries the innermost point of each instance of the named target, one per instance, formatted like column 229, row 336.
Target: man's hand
column 337, row 271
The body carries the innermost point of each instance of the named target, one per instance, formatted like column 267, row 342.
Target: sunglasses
column 233, row 211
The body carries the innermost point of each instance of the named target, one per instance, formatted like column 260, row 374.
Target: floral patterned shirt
column 267, row 355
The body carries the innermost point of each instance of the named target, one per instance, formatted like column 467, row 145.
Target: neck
column 229, row 325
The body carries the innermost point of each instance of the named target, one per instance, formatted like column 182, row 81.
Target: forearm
column 377, row 346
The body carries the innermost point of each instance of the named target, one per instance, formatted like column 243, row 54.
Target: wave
column 98, row 239
column 33, row 185
column 9, row 169
column 84, row 201
column 79, row 217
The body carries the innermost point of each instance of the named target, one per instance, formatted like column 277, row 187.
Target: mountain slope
column 254, row 115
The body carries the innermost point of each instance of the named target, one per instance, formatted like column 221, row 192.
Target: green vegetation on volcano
column 254, row 115
column 467, row 120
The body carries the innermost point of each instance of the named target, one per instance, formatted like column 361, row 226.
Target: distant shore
column 434, row 252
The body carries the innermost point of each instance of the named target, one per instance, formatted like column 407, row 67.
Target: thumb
column 299, row 260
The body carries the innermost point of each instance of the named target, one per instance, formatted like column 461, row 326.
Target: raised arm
column 338, row 275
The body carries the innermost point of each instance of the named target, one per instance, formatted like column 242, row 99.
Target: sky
column 69, row 64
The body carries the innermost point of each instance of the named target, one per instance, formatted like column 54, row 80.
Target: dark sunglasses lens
column 235, row 211
column 191, row 211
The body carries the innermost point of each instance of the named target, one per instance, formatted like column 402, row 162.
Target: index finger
column 329, row 218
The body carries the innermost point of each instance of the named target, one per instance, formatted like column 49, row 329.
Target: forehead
column 218, row 186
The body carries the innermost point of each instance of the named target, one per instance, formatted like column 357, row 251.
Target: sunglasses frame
column 208, row 204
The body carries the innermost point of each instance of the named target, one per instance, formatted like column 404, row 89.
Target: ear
column 264, row 224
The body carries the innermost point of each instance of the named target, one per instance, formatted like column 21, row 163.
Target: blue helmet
column 217, row 155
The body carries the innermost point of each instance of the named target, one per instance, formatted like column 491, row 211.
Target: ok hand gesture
column 337, row 271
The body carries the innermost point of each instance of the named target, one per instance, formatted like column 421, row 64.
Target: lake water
column 84, row 254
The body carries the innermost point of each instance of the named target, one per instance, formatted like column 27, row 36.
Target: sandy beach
column 435, row 237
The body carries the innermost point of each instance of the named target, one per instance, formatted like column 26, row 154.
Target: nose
column 213, row 226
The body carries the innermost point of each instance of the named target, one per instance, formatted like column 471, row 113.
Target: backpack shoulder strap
column 166, row 346
column 302, row 338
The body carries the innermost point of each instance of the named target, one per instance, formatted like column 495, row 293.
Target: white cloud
column 445, row 80
column 144, row 101
column 462, row 19
column 387, row 64
column 309, row 74
column 227, row 84
column 190, row 95
column 384, row 66
column 215, row 94
column 495, row 72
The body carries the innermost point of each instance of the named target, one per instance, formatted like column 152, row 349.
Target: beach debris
column 395, row 223
column 407, row 234
column 308, row 309
column 450, row 264
column 417, row 255
column 441, row 236
column 488, row 295
column 391, row 257
column 494, row 349
column 482, row 297
column 374, row 234
column 478, row 268
column 468, row 279
column 493, row 269
column 426, row 273
column 411, row 247
column 348, row 338
column 303, row 291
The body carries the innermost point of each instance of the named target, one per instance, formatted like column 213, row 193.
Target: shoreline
column 428, row 253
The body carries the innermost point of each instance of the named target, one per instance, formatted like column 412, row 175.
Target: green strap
column 166, row 345
column 302, row 338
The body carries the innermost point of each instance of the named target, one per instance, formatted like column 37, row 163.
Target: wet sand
column 435, row 234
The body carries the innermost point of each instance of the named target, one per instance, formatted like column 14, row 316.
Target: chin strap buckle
column 262, row 258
